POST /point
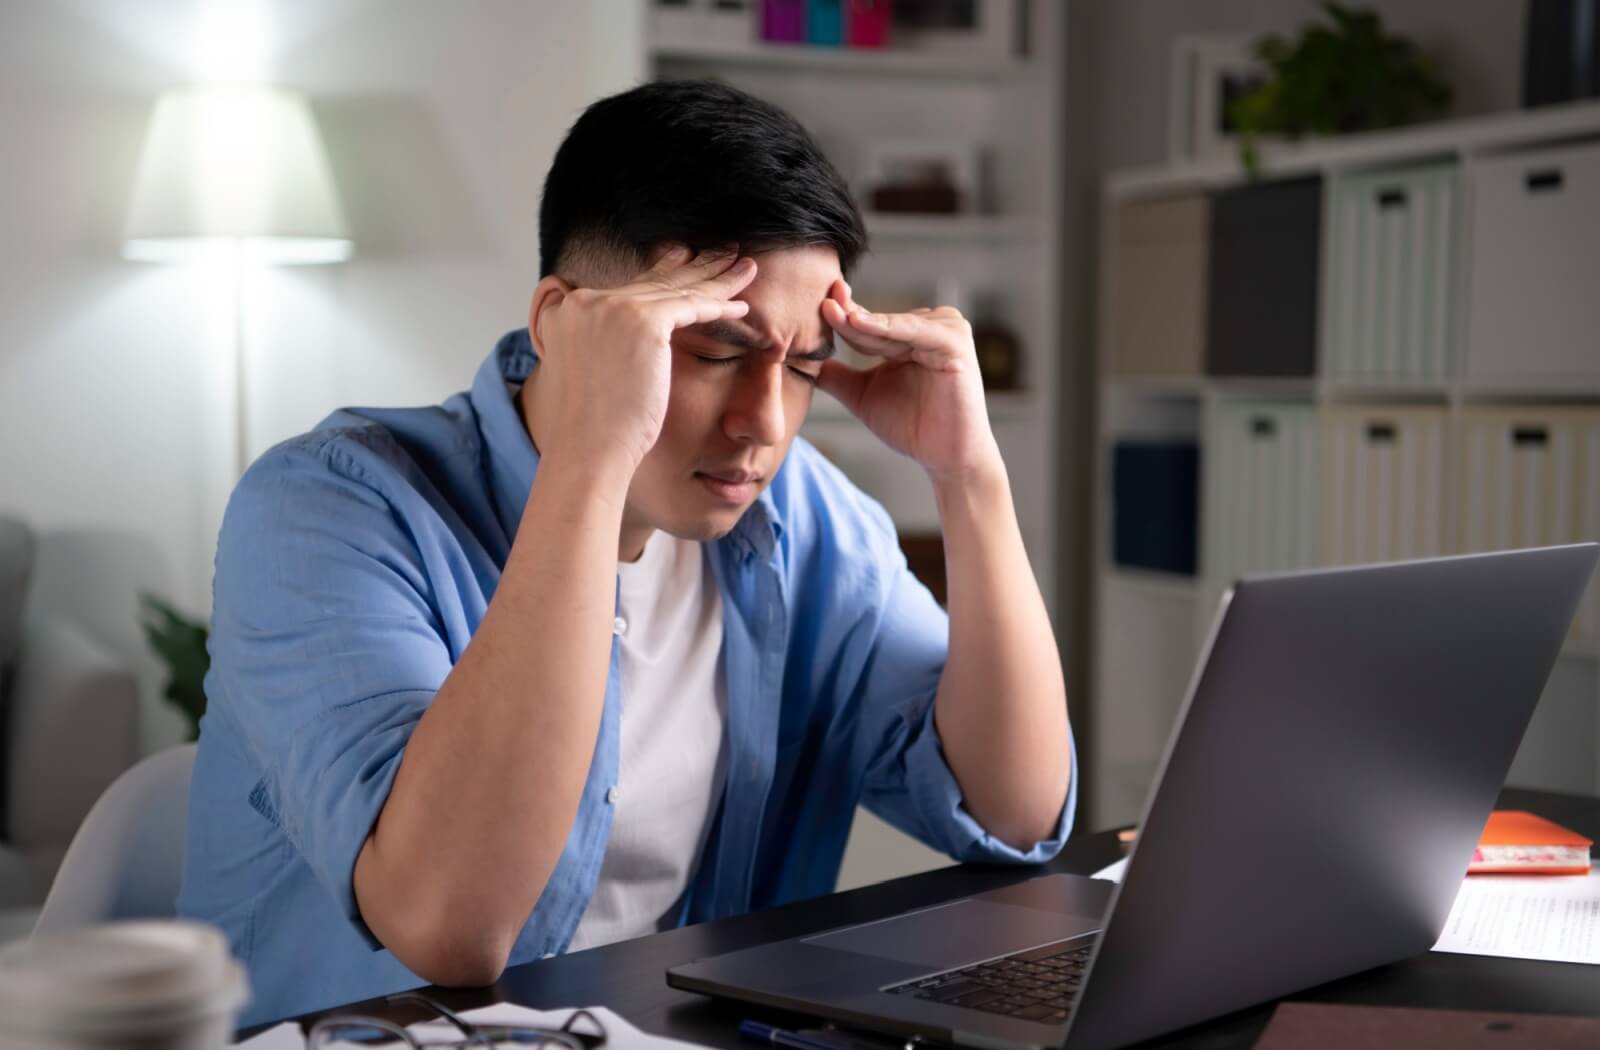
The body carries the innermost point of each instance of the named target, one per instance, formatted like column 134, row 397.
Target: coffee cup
column 144, row 985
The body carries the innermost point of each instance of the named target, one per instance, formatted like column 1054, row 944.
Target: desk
column 630, row 977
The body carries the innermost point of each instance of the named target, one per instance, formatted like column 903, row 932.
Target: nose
column 755, row 411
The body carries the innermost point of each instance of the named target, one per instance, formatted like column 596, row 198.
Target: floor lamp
column 235, row 177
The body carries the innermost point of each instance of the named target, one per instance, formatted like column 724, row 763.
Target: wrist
column 584, row 480
column 981, row 481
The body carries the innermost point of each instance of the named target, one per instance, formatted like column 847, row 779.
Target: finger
column 691, row 309
column 877, row 346
column 671, row 259
column 723, row 275
column 680, row 267
column 843, row 383
column 934, row 339
column 729, row 282
column 725, row 285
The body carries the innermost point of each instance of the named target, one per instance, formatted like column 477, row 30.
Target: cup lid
column 126, row 975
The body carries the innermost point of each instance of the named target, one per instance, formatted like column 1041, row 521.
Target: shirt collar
column 512, row 461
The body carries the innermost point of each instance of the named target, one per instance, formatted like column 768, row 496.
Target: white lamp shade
column 241, row 165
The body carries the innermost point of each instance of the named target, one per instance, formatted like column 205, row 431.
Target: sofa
column 68, row 726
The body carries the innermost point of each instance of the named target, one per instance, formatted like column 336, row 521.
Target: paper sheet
column 1551, row 917
column 620, row 1035
column 286, row 1036
column 1112, row 872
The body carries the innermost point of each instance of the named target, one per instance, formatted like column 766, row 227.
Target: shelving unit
column 863, row 62
column 1149, row 627
column 1005, row 259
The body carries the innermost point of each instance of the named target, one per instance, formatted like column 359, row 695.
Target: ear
column 547, row 293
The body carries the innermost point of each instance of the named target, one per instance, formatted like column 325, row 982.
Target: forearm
column 489, row 785
column 1001, row 708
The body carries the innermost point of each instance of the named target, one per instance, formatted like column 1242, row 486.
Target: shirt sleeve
column 325, row 651
column 907, row 781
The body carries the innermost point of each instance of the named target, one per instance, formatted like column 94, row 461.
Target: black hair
column 693, row 162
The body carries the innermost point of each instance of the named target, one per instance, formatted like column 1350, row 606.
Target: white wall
column 115, row 413
column 1476, row 43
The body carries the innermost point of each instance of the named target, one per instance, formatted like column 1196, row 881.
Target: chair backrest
column 126, row 859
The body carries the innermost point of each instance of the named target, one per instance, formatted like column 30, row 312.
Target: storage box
column 1388, row 276
column 1381, row 483
column 1530, row 476
column 1265, row 256
column 1533, row 307
column 1155, row 498
column 1157, row 295
column 1260, row 489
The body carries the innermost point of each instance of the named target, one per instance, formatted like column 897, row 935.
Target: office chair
column 126, row 859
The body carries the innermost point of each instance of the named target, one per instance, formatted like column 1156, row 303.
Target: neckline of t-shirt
column 652, row 561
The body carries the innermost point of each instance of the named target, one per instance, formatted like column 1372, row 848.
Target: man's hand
column 1001, row 709
column 926, row 399
column 605, row 355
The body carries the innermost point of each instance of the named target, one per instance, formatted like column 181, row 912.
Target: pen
column 839, row 1039
column 828, row 1038
column 757, row 1032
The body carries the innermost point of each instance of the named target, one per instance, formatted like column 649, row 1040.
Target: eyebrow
column 750, row 340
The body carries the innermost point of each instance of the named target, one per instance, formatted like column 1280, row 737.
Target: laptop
column 1343, row 740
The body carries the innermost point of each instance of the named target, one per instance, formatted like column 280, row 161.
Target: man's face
column 740, row 390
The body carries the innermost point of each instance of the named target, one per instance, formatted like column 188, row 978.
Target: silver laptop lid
column 1343, row 741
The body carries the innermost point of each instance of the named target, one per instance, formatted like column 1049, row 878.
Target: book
column 1518, row 842
column 867, row 23
column 825, row 22
column 1338, row 1026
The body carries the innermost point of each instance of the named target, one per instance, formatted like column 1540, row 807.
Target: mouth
column 730, row 486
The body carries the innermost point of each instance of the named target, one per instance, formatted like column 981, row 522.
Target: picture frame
column 1207, row 72
column 976, row 28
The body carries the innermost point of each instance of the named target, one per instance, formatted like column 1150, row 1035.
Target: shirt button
column 612, row 794
column 619, row 626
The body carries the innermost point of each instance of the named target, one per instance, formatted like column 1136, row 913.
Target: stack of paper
column 620, row 1035
column 1552, row 917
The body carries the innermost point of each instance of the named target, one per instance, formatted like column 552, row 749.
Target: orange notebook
column 1515, row 842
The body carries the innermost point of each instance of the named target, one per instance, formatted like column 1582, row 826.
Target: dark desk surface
column 630, row 977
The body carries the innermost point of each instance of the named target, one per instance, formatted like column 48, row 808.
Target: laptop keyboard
column 1036, row 985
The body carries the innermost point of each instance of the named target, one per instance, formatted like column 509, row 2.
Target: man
column 600, row 648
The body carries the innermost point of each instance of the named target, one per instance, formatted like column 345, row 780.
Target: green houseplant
column 181, row 645
column 1342, row 76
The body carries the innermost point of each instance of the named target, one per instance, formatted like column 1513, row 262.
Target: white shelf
column 1499, row 133
column 865, row 61
column 920, row 229
column 1157, row 386
column 1160, row 584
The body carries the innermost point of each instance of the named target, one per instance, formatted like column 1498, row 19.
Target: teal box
column 825, row 22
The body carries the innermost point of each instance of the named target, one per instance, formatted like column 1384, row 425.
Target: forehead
column 789, row 287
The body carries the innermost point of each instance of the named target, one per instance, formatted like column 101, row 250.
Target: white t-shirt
column 671, row 766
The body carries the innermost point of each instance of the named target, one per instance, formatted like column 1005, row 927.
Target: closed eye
column 711, row 359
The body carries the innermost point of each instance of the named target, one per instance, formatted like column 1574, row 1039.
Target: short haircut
column 691, row 162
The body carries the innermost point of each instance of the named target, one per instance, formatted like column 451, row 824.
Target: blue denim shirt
column 354, row 564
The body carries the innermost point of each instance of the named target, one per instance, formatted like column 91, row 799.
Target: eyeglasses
column 582, row 1031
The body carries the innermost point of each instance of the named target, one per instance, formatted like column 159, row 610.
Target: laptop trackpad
column 959, row 932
